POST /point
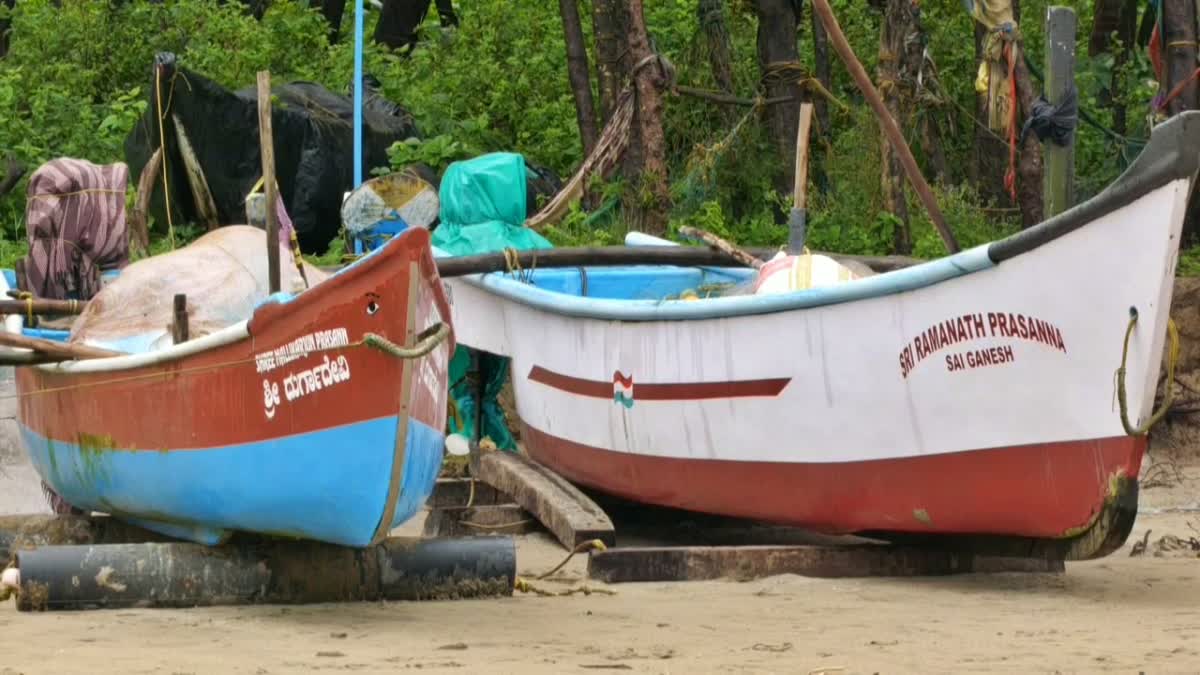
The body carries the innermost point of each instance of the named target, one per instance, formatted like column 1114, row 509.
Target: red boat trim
column 1041, row 490
column 673, row 391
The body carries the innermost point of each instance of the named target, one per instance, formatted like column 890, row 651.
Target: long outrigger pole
column 838, row 38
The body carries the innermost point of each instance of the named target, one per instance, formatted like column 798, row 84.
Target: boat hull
column 294, row 428
column 973, row 395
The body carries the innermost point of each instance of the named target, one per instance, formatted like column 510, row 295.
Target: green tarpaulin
column 483, row 211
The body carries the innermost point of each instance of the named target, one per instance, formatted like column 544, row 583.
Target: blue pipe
column 358, row 103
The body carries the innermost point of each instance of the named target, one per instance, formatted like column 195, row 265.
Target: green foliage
column 78, row 76
column 437, row 152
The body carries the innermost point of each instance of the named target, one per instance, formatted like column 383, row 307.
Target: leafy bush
column 77, row 77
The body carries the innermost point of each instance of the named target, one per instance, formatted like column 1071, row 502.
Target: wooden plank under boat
column 970, row 395
column 289, row 423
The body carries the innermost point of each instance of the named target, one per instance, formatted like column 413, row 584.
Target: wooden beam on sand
column 571, row 516
column 698, row 563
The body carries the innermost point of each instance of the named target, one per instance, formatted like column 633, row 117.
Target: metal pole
column 358, row 103
column 1059, row 191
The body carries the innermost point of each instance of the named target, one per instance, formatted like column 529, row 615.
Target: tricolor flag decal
column 623, row 389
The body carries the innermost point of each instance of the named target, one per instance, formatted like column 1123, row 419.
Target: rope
column 428, row 340
column 589, row 545
column 1168, row 397
column 162, row 144
column 523, row 585
column 1010, row 176
column 87, row 191
column 1177, row 90
column 28, row 298
column 370, row 340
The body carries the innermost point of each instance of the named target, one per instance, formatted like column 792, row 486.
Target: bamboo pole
column 41, row 307
column 266, row 141
column 56, row 349
column 838, row 39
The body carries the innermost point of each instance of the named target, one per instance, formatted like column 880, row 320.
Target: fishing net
column 223, row 274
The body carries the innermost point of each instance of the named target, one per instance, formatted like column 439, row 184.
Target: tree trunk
column 711, row 14
column 1029, row 161
column 5, row 25
column 577, row 70
column 1179, row 48
column 779, row 63
column 1179, row 41
column 824, row 75
column 653, row 213
column 894, row 28
column 610, row 24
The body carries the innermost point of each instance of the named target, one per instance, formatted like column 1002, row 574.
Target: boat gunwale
column 1170, row 156
column 224, row 337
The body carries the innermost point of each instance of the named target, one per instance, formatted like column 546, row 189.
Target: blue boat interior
column 637, row 282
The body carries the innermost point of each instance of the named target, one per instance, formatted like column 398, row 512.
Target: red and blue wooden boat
column 321, row 416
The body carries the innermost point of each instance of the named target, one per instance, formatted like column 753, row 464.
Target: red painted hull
column 1049, row 490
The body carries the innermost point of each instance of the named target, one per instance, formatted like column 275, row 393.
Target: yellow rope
column 523, row 585
column 87, row 191
column 162, row 144
column 28, row 298
column 1168, row 397
column 589, row 545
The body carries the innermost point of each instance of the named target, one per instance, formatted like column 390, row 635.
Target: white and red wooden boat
column 970, row 395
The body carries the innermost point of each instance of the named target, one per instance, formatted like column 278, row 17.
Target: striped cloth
column 75, row 215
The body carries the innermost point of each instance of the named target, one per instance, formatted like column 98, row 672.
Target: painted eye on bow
column 372, row 304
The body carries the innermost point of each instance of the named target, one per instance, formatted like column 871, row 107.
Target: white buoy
column 457, row 445
column 11, row 578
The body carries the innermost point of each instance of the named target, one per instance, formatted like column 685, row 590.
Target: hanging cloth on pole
column 997, row 75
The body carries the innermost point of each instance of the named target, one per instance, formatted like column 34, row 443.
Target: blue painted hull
column 330, row 485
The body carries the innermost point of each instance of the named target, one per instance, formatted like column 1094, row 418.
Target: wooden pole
column 1059, row 192
column 42, row 307
column 65, row 350
column 838, row 39
column 266, row 141
column 798, row 220
column 179, row 327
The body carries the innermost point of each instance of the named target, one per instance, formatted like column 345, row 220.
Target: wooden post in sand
column 1058, row 194
column 267, row 144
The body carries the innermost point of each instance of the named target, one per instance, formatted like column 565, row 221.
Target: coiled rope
column 428, row 339
column 1168, row 396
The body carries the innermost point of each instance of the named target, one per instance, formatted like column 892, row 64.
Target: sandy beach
column 1125, row 614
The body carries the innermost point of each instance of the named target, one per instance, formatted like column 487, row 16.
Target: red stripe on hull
column 1043, row 490
column 216, row 398
column 668, row 391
